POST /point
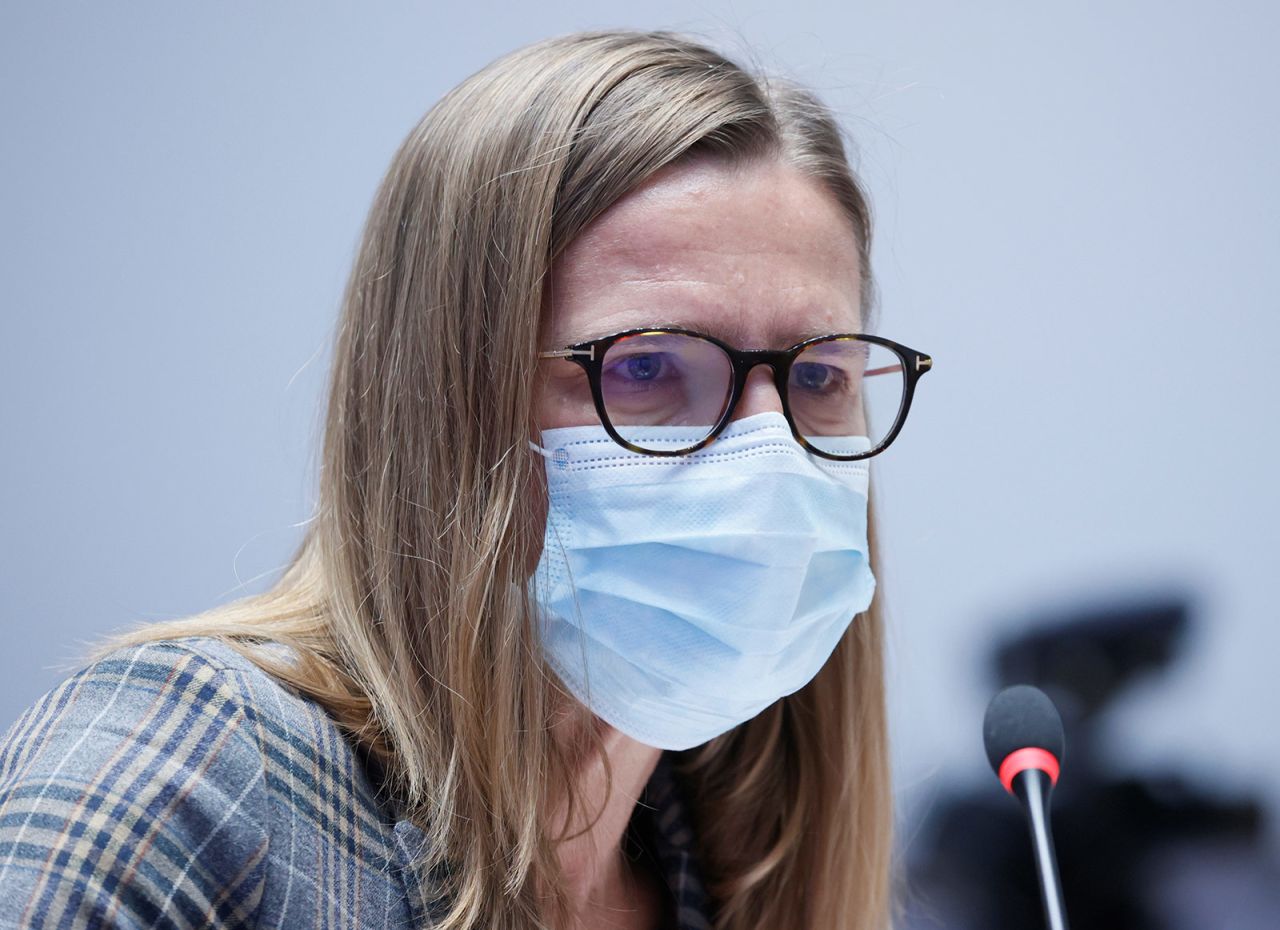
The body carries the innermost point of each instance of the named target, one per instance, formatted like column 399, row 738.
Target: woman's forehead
column 759, row 253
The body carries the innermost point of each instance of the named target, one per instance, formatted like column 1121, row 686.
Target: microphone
column 1023, row 736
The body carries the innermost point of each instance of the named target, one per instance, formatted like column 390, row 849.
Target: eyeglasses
column 667, row 391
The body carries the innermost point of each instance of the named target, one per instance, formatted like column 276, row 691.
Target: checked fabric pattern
column 176, row 785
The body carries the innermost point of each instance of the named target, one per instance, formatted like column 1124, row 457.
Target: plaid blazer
column 175, row 784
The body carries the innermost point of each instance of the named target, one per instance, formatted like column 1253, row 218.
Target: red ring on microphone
column 1020, row 760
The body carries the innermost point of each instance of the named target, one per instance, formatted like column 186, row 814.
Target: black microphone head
column 1021, row 717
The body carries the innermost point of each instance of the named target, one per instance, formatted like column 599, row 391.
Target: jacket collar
column 660, row 823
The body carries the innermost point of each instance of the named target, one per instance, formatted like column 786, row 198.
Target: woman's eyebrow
column 729, row 331
column 786, row 336
column 656, row 320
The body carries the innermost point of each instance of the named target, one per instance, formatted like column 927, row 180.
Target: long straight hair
column 407, row 605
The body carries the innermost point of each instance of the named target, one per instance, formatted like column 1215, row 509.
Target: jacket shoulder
column 134, row 793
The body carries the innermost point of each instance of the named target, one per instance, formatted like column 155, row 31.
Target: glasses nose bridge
column 746, row 361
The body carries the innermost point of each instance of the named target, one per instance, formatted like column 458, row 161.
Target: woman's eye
column 646, row 367
column 811, row 376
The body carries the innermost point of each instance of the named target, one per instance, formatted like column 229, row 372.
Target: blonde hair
column 406, row 603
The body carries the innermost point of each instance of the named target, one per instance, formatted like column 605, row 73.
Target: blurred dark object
column 1118, row 838
column 1083, row 660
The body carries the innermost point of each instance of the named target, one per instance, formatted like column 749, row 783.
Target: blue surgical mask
column 681, row 596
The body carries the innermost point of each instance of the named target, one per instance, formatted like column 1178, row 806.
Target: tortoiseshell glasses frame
column 590, row 356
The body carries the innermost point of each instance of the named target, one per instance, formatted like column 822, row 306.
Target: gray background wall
column 1077, row 216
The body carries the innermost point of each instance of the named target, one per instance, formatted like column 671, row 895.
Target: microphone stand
column 1032, row 788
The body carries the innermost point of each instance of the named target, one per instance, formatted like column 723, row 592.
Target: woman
column 581, row 633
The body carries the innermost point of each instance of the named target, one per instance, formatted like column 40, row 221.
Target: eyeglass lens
column 667, row 391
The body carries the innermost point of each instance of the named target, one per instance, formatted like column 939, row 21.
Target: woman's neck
column 597, row 874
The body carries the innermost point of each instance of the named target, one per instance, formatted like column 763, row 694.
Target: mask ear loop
column 557, row 457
